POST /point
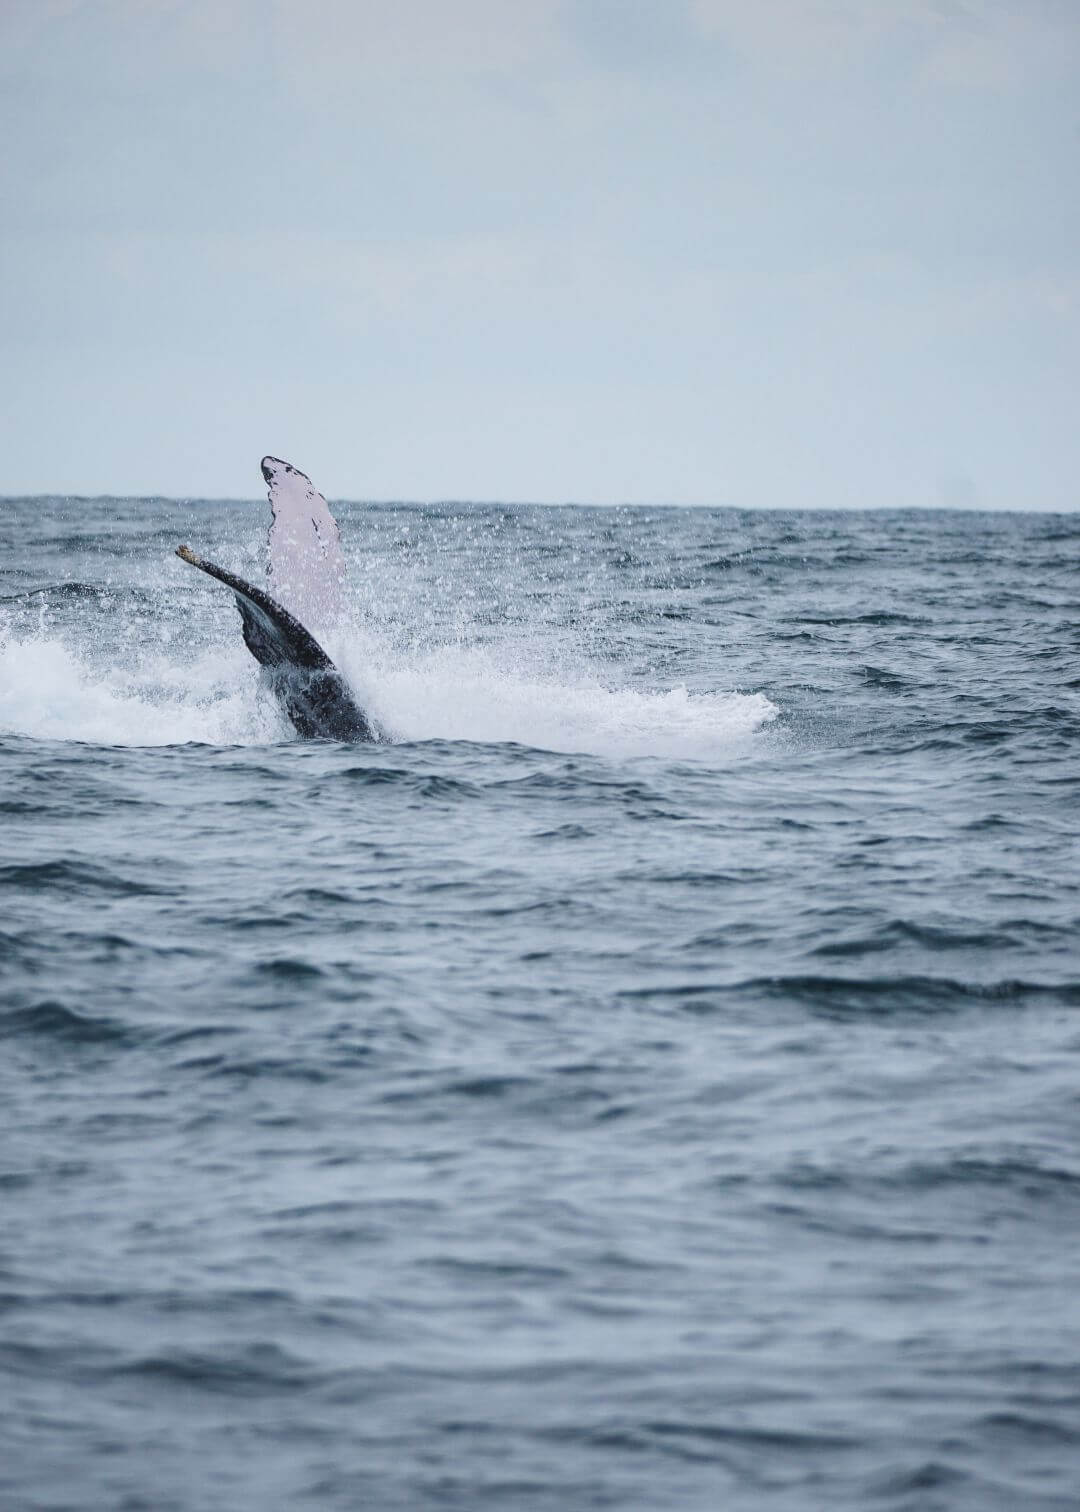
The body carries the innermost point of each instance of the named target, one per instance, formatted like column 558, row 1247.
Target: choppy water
column 652, row 1082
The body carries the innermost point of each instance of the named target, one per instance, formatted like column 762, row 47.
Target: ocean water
column 650, row 1081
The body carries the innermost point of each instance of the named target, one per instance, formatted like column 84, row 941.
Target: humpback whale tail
column 307, row 570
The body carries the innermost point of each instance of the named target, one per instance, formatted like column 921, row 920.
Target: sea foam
column 53, row 690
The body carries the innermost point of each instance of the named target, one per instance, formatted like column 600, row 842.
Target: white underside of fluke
column 306, row 571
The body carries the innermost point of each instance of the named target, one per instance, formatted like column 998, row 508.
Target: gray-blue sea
column 651, row 1081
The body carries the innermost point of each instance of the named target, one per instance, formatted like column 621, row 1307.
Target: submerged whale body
column 307, row 570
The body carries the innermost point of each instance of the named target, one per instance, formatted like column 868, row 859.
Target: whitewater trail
column 51, row 689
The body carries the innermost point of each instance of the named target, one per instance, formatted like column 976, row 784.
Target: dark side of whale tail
column 305, row 681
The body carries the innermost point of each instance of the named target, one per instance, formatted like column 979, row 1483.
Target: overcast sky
column 774, row 253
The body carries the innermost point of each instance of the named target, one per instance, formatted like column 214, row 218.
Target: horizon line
column 446, row 503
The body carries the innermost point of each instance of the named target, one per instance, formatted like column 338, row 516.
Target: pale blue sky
column 772, row 253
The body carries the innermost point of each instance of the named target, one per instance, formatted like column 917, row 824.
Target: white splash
column 54, row 691
column 460, row 693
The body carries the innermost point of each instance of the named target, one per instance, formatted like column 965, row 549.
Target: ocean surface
column 650, row 1081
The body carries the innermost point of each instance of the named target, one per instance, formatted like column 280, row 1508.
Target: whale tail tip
column 276, row 469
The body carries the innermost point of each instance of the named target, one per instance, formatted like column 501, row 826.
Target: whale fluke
column 309, row 687
column 306, row 571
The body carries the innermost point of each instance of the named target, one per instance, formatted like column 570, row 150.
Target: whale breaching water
column 306, row 572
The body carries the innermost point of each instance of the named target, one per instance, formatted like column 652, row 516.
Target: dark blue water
column 651, row 1082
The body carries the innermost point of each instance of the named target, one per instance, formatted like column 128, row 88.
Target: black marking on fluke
column 309, row 687
column 268, row 475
